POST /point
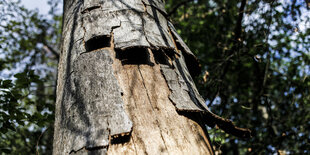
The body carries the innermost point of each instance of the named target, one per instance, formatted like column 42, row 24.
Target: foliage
column 27, row 78
column 254, row 55
column 255, row 69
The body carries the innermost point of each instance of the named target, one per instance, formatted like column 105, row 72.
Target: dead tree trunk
column 124, row 83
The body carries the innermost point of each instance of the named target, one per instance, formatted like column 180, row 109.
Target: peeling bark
column 189, row 58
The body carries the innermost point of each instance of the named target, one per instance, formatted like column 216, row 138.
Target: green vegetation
column 255, row 71
column 27, row 78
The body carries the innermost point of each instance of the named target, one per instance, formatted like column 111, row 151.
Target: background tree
column 209, row 28
column 255, row 57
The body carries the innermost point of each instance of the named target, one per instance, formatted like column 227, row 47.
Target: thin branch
column 175, row 8
column 52, row 50
column 233, row 50
column 37, row 146
column 268, row 52
column 238, row 27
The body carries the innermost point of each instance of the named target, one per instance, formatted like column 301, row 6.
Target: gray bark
column 90, row 111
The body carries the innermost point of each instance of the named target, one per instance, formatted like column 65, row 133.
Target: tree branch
column 233, row 50
column 238, row 27
column 175, row 8
column 37, row 146
column 55, row 53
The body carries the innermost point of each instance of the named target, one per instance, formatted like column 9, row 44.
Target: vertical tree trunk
column 124, row 84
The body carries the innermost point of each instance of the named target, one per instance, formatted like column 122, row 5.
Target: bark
column 124, row 83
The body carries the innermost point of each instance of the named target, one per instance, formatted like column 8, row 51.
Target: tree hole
column 98, row 42
column 192, row 64
column 134, row 56
column 121, row 139
column 162, row 56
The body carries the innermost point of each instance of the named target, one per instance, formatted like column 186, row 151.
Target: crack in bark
column 84, row 33
column 89, row 149
column 143, row 25
column 158, row 9
column 86, row 10
column 112, row 34
column 148, row 96
column 68, row 76
column 144, row 5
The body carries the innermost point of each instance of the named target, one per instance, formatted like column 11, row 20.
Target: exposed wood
column 157, row 126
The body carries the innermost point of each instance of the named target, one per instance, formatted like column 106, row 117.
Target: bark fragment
column 146, row 27
column 97, row 23
column 156, row 30
column 92, row 109
column 182, row 70
column 136, row 38
column 117, row 5
column 186, row 98
column 156, row 4
column 190, row 59
column 179, row 91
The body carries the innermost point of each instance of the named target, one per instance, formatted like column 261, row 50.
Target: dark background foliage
column 255, row 71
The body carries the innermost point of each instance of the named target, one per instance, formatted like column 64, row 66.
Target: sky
column 41, row 5
column 43, row 9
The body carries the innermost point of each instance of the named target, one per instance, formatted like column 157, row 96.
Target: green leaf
column 7, row 84
column 6, row 150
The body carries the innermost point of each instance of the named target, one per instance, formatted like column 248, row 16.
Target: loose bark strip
column 92, row 107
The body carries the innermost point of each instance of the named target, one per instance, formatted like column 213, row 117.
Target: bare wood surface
column 157, row 127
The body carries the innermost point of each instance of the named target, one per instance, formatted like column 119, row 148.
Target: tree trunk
column 124, row 83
